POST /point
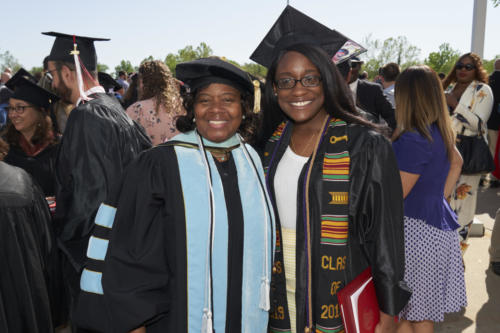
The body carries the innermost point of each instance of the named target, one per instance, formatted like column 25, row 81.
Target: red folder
column 358, row 303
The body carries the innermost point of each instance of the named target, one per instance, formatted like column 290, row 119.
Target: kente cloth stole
column 331, row 232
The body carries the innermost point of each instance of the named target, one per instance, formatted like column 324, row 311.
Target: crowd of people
column 216, row 201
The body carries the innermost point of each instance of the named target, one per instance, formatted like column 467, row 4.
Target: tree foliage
column 102, row 68
column 125, row 66
column 8, row 60
column 187, row 54
column 398, row 50
column 444, row 59
column 495, row 3
column 150, row 58
column 489, row 65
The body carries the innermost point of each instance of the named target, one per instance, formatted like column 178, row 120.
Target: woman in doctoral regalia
column 333, row 181
column 190, row 241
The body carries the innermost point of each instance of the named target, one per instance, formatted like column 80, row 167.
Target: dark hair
column 390, row 71
column 344, row 68
column 481, row 74
column 248, row 126
column 131, row 95
column 46, row 63
column 120, row 73
column 59, row 64
column 338, row 100
column 43, row 131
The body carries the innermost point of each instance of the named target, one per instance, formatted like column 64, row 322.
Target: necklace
column 306, row 148
column 220, row 156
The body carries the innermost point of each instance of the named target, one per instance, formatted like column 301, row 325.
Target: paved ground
column 482, row 314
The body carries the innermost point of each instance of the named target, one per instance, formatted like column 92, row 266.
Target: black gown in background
column 41, row 166
column 29, row 281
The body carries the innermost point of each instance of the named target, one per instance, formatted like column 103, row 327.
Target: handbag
column 475, row 152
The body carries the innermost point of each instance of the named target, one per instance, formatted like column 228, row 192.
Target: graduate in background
column 99, row 141
column 189, row 242
column 32, row 143
column 29, row 289
column 334, row 183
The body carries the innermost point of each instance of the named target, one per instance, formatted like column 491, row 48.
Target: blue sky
column 231, row 28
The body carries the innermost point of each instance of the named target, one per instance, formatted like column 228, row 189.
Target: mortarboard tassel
column 76, row 58
column 256, row 100
column 207, row 325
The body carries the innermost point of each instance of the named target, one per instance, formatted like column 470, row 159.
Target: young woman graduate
column 333, row 181
column 190, row 241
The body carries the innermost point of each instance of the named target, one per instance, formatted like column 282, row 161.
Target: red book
column 358, row 303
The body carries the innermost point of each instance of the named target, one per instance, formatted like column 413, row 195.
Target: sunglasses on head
column 467, row 67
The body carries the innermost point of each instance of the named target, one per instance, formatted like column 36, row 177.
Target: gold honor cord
column 308, row 328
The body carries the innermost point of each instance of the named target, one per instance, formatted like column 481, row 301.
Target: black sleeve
column 384, row 107
column 377, row 204
column 136, row 272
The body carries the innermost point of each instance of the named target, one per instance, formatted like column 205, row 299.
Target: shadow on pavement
column 488, row 200
column 488, row 317
column 454, row 322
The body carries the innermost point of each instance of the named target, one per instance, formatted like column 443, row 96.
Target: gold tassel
column 257, row 96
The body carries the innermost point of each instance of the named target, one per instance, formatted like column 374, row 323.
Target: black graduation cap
column 21, row 73
column 63, row 46
column 294, row 27
column 204, row 71
column 107, row 82
column 30, row 92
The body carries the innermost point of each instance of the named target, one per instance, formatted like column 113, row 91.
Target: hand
column 386, row 324
column 4, row 149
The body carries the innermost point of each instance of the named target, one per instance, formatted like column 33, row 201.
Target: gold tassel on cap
column 257, row 95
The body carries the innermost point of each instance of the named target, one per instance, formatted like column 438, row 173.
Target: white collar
column 91, row 91
column 354, row 85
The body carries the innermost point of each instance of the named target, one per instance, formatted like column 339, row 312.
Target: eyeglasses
column 468, row 67
column 17, row 109
column 306, row 81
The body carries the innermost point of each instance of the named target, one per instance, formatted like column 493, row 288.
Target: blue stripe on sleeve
column 105, row 216
column 97, row 248
column 91, row 282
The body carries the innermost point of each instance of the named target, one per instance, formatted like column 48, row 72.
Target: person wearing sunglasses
column 469, row 100
column 31, row 142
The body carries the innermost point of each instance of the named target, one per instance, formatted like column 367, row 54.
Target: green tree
column 102, row 68
column 187, row 54
column 495, row 3
column 489, row 65
column 444, row 59
column 398, row 50
column 150, row 58
column 8, row 60
column 125, row 66
column 255, row 69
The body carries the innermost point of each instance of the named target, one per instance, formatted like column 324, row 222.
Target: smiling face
column 464, row 75
column 24, row 121
column 218, row 112
column 301, row 104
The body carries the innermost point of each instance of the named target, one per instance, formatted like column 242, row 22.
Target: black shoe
column 482, row 182
column 495, row 267
column 494, row 183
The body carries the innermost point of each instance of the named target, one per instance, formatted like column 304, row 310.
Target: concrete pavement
column 482, row 314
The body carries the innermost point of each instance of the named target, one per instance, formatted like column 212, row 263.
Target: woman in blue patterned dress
column 429, row 166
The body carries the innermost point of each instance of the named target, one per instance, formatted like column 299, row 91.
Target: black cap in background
column 294, row 27
column 20, row 74
column 107, row 82
column 30, row 92
column 63, row 46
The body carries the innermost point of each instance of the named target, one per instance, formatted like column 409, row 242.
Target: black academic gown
column 145, row 270
column 375, row 234
column 29, row 279
column 99, row 141
column 41, row 166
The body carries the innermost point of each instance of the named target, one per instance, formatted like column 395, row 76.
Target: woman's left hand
column 386, row 324
column 4, row 149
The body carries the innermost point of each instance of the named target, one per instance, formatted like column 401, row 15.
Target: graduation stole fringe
column 331, row 233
